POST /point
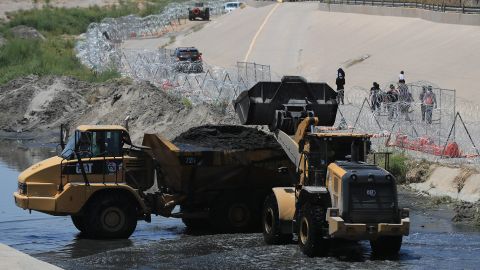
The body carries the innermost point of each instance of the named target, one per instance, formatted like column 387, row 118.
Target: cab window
column 99, row 144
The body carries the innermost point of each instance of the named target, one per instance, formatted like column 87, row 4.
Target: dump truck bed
column 191, row 169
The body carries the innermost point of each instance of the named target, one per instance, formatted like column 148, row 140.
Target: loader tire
column 79, row 222
column 110, row 217
column 310, row 231
column 386, row 245
column 272, row 234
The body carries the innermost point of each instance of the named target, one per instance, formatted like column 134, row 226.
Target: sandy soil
column 14, row 5
column 38, row 106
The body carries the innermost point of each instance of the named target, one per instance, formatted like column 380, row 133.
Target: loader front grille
column 370, row 203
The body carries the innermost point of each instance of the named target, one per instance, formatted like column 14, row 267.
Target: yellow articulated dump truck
column 337, row 195
column 106, row 184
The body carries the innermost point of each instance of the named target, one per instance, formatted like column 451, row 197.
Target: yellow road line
column 259, row 31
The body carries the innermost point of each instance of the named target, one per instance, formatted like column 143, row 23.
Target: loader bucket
column 259, row 105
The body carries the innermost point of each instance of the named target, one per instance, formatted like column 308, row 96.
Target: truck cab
column 90, row 174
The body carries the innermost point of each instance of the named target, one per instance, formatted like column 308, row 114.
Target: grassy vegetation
column 398, row 165
column 55, row 55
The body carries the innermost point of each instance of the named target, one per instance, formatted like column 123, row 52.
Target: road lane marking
column 259, row 31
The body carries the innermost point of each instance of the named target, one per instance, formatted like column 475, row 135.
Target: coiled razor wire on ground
column 197, row 81
column 358, row 115
column 100, row 50
column 97, row 49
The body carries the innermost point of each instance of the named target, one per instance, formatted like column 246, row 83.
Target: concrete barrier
column 13, row 259
column 429, row 15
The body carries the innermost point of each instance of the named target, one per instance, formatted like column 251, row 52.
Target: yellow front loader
column 337, row 195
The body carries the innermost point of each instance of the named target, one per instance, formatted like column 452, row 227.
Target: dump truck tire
column 111, row 217
column 234, row 214
column 79, row 222
column 310, row 238
column 196, row 223
column 386, row 245
column 207, row 15
column 271, row 224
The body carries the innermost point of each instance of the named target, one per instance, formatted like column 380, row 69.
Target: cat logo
column 112, row 167
column 86, row 166
column 371, row 192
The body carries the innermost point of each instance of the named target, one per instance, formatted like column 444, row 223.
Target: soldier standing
column 340, row 82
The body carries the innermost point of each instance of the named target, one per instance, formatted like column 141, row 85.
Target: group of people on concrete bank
column 399, row 100
column 396, row 100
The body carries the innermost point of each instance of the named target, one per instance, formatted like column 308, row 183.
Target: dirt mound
column 39, row 105
column 467, row 212
column 226, row 137
column 418, row 171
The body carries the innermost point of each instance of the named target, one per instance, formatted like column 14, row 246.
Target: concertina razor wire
column 100, row 49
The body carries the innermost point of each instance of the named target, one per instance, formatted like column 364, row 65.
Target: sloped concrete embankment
column 458, row 184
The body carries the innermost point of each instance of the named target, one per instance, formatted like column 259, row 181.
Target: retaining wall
column 434, row 16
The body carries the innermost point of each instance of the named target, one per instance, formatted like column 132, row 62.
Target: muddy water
column 165, row 244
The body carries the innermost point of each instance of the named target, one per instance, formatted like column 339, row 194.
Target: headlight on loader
column 404, row 213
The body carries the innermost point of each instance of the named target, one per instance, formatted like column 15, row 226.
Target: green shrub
column 187, row 103
column 398, row 166
column 74, row 21
column 20, row 57
column 56, row 55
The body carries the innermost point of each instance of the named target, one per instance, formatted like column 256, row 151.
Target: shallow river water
column 434, row 242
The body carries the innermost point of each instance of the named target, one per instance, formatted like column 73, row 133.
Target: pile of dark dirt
column 467, row 212
column 226, row 137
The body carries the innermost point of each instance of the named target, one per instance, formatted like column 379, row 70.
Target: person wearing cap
column 401, row 77
column 375, row 96
column 422, row 105
column 430, row 101
column 340, row 82
column 390, row 101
